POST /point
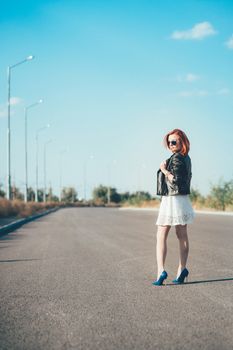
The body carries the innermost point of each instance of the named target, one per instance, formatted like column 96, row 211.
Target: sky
column 115, row 77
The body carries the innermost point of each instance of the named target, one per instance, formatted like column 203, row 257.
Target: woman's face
column 174, row 143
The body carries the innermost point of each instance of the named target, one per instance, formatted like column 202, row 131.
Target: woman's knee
column 163, row 230
column 181, row 231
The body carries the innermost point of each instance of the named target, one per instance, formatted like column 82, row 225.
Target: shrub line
column 16, row 224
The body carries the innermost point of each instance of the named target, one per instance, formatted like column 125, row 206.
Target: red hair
column 185, row 144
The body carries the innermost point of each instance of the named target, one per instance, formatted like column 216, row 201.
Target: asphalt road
column 81, row 279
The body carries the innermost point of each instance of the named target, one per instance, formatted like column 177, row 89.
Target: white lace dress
column 175, row 210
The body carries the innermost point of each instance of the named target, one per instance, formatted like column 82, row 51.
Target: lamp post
column 45, row 145
column 26, row 157
column 37, row 151
column 9, row 68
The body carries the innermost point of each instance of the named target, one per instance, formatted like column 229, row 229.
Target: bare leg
column 161, row 247
column 182, row 235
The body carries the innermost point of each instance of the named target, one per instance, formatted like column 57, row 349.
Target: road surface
column 80, row 278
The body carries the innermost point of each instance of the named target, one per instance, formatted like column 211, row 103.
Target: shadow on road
column 7, row 236
column 204, row 281
column 6, row 261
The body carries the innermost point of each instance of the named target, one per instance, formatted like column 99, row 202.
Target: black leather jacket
column 181, row 168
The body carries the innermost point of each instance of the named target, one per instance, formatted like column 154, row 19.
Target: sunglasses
column 173, row 142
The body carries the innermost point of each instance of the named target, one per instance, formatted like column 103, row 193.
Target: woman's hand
column 166, row 173
column 163, row 166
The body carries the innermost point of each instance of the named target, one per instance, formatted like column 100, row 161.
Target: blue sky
column 115, row 77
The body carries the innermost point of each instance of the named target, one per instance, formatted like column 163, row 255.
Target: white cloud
column 198, row 32
column 15, row 101
column 224, row 91
column 190, row 93
column 229, row 43
column 190, row 78
column 203, row 93
column 4, row 112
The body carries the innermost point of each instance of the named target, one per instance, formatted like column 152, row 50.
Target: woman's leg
column 182, row 235
column 161, row 247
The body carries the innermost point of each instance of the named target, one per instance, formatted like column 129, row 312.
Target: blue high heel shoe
column 181, row 278
column 162, row 277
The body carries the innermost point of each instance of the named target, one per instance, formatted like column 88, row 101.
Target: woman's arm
column 167, row 173
column 177, row 168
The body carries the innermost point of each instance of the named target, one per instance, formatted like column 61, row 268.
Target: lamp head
column 30, row 57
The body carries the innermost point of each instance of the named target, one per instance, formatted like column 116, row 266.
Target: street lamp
column 26, row 157
column 37, row 151
column 9, row 68
column 45, row 145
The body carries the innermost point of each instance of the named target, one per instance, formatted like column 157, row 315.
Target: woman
column 173, row 183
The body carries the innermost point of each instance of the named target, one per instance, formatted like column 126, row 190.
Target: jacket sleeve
column 177, row 168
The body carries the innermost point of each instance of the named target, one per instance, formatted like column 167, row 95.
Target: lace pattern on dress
column 175, row 220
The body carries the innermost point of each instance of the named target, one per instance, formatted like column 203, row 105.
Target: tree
column 31, row 194
column 16, row 194
column 100, row 193
column 40, row 195
column 196, row 197
column 143, row 196
column 138, row 197
column 115, row 197
column 69, row 195
column 221, row 195
column 125, row 196
column 2, row 192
